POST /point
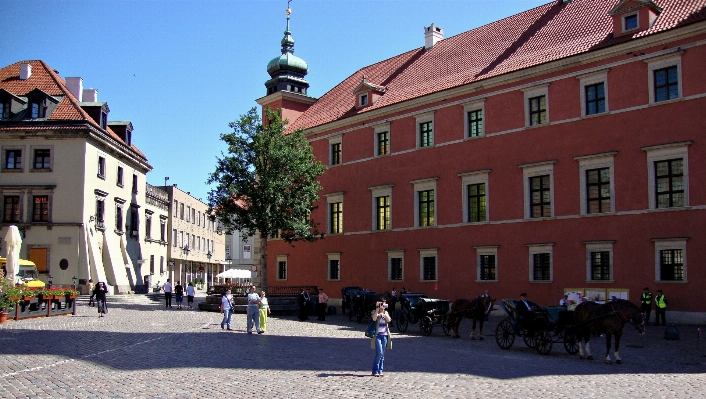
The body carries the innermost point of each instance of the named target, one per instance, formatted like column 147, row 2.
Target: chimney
column 75, row 86
column 25, row 71
column 432, row 34
column 90, row 95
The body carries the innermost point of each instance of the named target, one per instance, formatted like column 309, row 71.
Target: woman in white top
column 382, row 340
column 226, row 309
column 264, row 311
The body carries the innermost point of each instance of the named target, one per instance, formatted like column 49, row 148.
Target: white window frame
column 337, row 139
column 624, row 21
column 599, row 246
column 425, row 253
column 533, row 170
column 661, row 153
column 396, row 253
column 591, row 79
column 532, row 92
column 424, row 185
column 380, row 191
column 664, row 62
column 282, row 258
column 670, row 243
column 540, row 249
column 596, row 161
column 423, row 118
column 478, row 105
column 486, row 250
column 3, row 153
column 331, row 199
column 385, row 127
column 329, row 257
column 475, row 177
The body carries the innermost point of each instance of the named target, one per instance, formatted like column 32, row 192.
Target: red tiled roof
column 547, row 33
column 45, row 79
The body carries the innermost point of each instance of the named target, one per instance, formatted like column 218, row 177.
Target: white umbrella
column 234, row 273
column 14, row 242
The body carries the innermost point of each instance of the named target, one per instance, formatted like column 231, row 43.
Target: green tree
column 266, row 182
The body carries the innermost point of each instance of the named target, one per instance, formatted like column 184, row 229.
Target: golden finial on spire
column 289, row 10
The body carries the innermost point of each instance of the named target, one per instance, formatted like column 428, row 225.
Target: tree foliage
column 267, row 181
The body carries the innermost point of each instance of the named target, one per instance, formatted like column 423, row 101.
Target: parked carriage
column 347, row 295
column 420, row 308
column 362, row 304
column 551, row 325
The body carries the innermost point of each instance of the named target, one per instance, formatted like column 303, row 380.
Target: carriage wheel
column 530, row 340
column 571, row 343
column 402, row 322
column 426, row 326
column 445, row 325
column 544, row 342
column 504, row 334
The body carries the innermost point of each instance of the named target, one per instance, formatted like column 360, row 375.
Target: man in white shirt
column 253, row 311
column 167, row 288
column 190, row 293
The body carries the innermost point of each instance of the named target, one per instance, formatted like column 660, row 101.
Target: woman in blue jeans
column 226, row 309
column 382, row 340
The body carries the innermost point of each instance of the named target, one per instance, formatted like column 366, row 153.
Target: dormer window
column 40, row 104
column 367, row 93
column 38, row 109
column 363, row 100
column 630, row 22
column 4, row 110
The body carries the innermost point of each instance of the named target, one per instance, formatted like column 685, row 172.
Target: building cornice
column 282, row 95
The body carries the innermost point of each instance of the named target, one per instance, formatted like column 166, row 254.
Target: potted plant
column 71, row 293
column 6, row 301
column 45, row 294
column 12, row 292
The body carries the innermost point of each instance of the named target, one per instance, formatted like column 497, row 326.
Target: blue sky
column 182, row 70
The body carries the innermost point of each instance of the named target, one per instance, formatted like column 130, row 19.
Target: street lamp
column 74, row 280
column 50, row 278
column 210, row 266
column 186, row 251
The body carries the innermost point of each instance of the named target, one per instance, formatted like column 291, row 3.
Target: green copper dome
column 287, row 62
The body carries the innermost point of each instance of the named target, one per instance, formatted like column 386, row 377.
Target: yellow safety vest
column 659, row 301
column 647, row 298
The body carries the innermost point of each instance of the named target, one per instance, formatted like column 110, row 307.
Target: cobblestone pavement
column 141, row 350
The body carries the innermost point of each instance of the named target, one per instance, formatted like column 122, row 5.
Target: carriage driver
column 524, row 311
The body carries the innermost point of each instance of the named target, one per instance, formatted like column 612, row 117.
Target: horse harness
column 620, row 315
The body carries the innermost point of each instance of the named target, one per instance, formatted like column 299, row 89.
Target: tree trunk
column 263, row 263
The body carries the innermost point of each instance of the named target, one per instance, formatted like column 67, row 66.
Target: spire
column 287, row 71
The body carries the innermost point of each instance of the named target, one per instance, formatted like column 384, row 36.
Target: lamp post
column 186, row 260
column 50, row 279
column 210, row 267
column 74, row 280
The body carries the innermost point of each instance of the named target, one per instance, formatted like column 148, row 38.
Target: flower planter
column 3, row 317
column 70, row 297
column 14, row 298
column 28, row 297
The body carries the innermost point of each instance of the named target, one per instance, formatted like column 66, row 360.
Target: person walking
column 646, row 304
column 167, row 288
column 100, row 294
column 253, row 311
column 382, row 340
column 179, row 294
column 322, row 305
column 91, row 286
column 660, row 308
column 190, row 293
column 226, row 309
column 264, row 311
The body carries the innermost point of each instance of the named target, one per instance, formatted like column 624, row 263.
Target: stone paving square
column 141, row 350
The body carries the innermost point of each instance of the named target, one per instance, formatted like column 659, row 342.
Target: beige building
column 197, row 245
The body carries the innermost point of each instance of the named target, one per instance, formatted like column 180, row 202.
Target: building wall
column 631, row 128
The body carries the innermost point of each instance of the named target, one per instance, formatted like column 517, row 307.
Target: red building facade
column 560, row 149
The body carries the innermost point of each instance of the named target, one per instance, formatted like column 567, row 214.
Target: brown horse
column 608, row 319
column 476, row 310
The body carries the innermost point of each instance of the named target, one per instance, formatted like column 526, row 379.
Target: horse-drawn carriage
column 550, row 325
column 362, row 304
column 420, row 308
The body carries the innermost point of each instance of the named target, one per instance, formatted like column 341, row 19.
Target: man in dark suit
column 524, row 311
column 301, row 301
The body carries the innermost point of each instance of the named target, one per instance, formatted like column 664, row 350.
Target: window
column 120, row 176
column 334, row 266
column 335, row 150
column 428, row 265
column 11, row 209
column 151, row 265
column 174, row 237
column 630, row 22
column 668, row 174
column 383, row 213
column 538, row 110
column 181, row 211
column 40, row 210
column 383, row 143
column 193, row 215
column 38, row 109
column 42, row 159
column 669, row 183
column 476, row 202
column 13, row 159
column 424, row 203
column 134, row 184
column 540, row 260
column 425, row 130
column 281, row 267
column 119, row 225
column 538, row 187
column 335, row 212
column 664, row 78
column 148, row 227
column 101, row 167
column 162, row 229
column 536, row 105
column 100, row 212
column 395, row 265
column 474, row 118
column 600, row 266
column 670, row 259
column 474, row 195
column 161, row 265
column 134, row 221
column 4, row 110
column 363, row 100
column 486, row 263
column 595, row 99
column 598, row 190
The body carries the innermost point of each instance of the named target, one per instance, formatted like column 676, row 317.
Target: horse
column 476, row 310
column 609, row 320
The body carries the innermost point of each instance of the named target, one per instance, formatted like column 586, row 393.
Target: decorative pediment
column 625, row 6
